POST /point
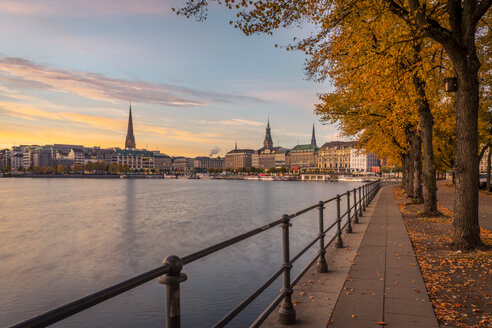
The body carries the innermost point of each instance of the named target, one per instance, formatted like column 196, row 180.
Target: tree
column 76, row 168
column 61, row 169
column 457, row 34
column 452, row 24
column 113, row 168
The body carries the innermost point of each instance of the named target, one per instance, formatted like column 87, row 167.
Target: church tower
column 268, row 143
column 313, row 138
column 130, row 138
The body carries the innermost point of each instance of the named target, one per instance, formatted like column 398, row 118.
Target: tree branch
column 481, row 9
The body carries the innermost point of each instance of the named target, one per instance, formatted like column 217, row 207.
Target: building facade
column 334, row 156
column 239, row 159
column 361, row 162
column 135, row 159
column 203, row 162
column 303, row 157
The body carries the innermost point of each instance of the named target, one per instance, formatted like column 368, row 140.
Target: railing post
column 356, row 216
column 349, row 224
column 339, row 241
column 364, row 193
column 321, row 266
column 172, row 281
column 360, row 201
column 287, row 314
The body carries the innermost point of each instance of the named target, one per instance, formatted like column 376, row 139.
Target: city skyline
column 69, row 70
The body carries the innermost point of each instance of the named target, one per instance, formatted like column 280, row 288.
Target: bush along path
column 459, row 282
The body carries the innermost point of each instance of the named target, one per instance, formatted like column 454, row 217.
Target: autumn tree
column 452, row 24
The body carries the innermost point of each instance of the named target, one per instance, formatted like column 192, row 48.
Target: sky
column 69, row 69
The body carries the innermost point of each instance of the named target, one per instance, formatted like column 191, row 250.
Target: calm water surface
column 61, row 239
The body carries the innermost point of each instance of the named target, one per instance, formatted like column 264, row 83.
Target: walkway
column 375, row 278
column 445, row 196
column 385, row 283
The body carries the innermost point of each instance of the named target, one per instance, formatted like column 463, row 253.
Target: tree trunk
column 417, row 168
column 466, row 227
column 426, row 127
column 403, row 172
column 409, row 174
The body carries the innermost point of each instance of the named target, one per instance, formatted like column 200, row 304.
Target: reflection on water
column 64, row 238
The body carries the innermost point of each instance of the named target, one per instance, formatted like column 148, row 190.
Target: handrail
column 170, row 272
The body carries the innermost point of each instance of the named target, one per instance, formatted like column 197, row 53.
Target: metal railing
column 169, row 273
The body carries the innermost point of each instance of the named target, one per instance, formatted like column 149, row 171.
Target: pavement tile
column 409, row 321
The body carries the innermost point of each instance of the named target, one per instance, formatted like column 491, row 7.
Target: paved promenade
column 374, row 279
column 385, row 283
column 445, row 196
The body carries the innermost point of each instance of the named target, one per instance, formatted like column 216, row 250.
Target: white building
column 16, row 160
column 361, row 162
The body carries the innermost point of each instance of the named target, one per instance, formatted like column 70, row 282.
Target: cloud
column 234, row 122
column 237, row 121
column 23, row 73
column 302, row 98
column 27, row 112
column 102, row 123
column 82, row 8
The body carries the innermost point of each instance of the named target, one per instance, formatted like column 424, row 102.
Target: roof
column 128, row 152
column 304, row 148
column 333, row 144
column 273, row 150
column 241, row 151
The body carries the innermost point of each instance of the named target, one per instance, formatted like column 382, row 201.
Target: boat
column 251, row 177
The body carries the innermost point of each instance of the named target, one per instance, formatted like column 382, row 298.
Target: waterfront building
column 130, row 138
column 238, row 158
column 162, row 162
column 304, row 156
column 362, row 162
column 264, row 158
column 203, row 162
column 64, row 149
column 42, row 156
column 4, row 158
column 27, row 156
column 281, row 156
column 335, row 156
column 182, row 164
column 135, row 159
column 78, row 156
column 96, row 154
column 16, row 160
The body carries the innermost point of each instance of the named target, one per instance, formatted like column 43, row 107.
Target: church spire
column 313, row 138
column 130, row 138
column 268, row 142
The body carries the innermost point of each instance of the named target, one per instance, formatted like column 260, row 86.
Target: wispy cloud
column 80, row 8
column 233, row 122
column 102, row 123
column 23, row 73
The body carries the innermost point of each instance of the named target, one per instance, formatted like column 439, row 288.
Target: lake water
column 61, row 239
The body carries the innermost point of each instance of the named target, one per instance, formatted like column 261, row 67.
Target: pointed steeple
column 268, row 142
column 235, row 148
column 130, row 138
column 313, row 138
